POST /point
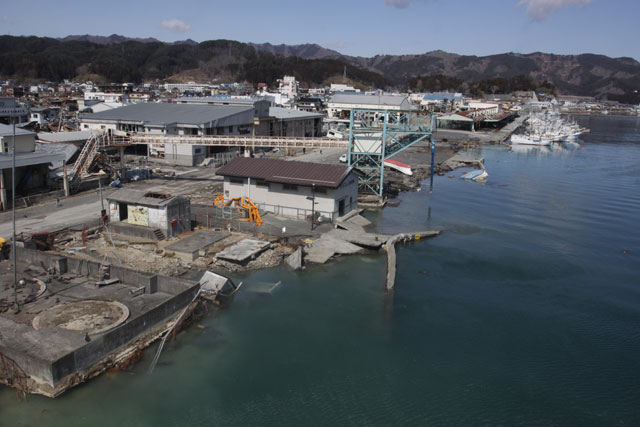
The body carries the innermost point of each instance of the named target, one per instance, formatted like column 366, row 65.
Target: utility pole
column 313, row 204
column 13, row 209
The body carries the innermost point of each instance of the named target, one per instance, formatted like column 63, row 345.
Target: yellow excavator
column 4, row 249
column 241, row 203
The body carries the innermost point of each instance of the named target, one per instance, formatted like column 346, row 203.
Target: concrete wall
column 99, row 347
column 24, row 143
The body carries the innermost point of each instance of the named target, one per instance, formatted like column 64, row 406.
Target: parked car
column 343, row 158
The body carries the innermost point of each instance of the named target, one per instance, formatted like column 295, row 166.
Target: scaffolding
column 378, row 135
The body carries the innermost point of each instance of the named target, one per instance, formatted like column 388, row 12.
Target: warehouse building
column 292, row 189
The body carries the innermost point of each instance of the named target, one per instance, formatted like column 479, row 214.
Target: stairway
column 85, row 159
column 159, row 234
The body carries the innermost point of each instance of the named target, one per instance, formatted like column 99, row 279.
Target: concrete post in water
column 390, row 247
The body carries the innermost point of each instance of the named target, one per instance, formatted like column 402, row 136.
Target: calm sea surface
column 525, row 311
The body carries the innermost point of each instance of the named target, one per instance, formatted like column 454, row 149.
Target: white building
column 443, row 100
column 340, row 105
column 292, row 189
column 337, row 87
column 9, row 108
column 43, row 116
column 186, row 87
column 485, row 107
column 288, row 86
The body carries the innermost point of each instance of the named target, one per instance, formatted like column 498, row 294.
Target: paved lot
column 85, row 208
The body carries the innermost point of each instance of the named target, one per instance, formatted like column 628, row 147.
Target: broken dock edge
column 390, row 247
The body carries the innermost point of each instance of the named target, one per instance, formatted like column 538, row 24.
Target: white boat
column 477, row 175
column 530, row 139
column 399, row 166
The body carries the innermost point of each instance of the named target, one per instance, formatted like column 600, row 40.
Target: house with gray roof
column 292, row 189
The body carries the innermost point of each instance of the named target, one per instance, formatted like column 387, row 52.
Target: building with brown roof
column 292, row 189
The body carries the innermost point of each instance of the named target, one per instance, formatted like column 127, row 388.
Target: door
column 123, row 209
column 341, row 207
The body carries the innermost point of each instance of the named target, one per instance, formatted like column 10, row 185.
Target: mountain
column 41, row 58
column 305, row 51
column 586, row 74
column 119, row 58
column 112, row 39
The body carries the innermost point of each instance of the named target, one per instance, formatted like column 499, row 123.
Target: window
column 198, row 150
column 321, row 190
column 262, row 183
column 6, row 147
column 230, row 129
column 291, row 187
column 236, row 180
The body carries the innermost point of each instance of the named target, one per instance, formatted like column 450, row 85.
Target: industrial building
column 32, row 163
column 174, row 119
column 292, row 189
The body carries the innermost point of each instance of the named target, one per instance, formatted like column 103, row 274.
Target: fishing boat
column 399, row 166
column 530, row 140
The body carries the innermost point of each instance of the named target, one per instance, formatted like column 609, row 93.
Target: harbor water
column 525, row 311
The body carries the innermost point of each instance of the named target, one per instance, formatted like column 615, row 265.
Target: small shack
column 170, row 214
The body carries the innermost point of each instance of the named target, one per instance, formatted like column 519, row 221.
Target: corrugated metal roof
column 136, row 197
column 374, row 100
column 162, row 113
column 7, row 130
column 438, row 96
column 287, row 113
column 286, row 172
column 81, row 135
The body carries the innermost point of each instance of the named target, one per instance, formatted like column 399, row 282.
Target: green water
column 525, row 311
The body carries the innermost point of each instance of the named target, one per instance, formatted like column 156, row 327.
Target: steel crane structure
column 377, row 135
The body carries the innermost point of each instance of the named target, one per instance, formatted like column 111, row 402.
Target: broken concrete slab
column 359, row 220
column 460, row 161
column 243, row 250
column 360, row 238
column 295, row 259
column 188, row 249
column 324, row 248
column 212, row 283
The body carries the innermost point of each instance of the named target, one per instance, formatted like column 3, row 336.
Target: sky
column 352, row 27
